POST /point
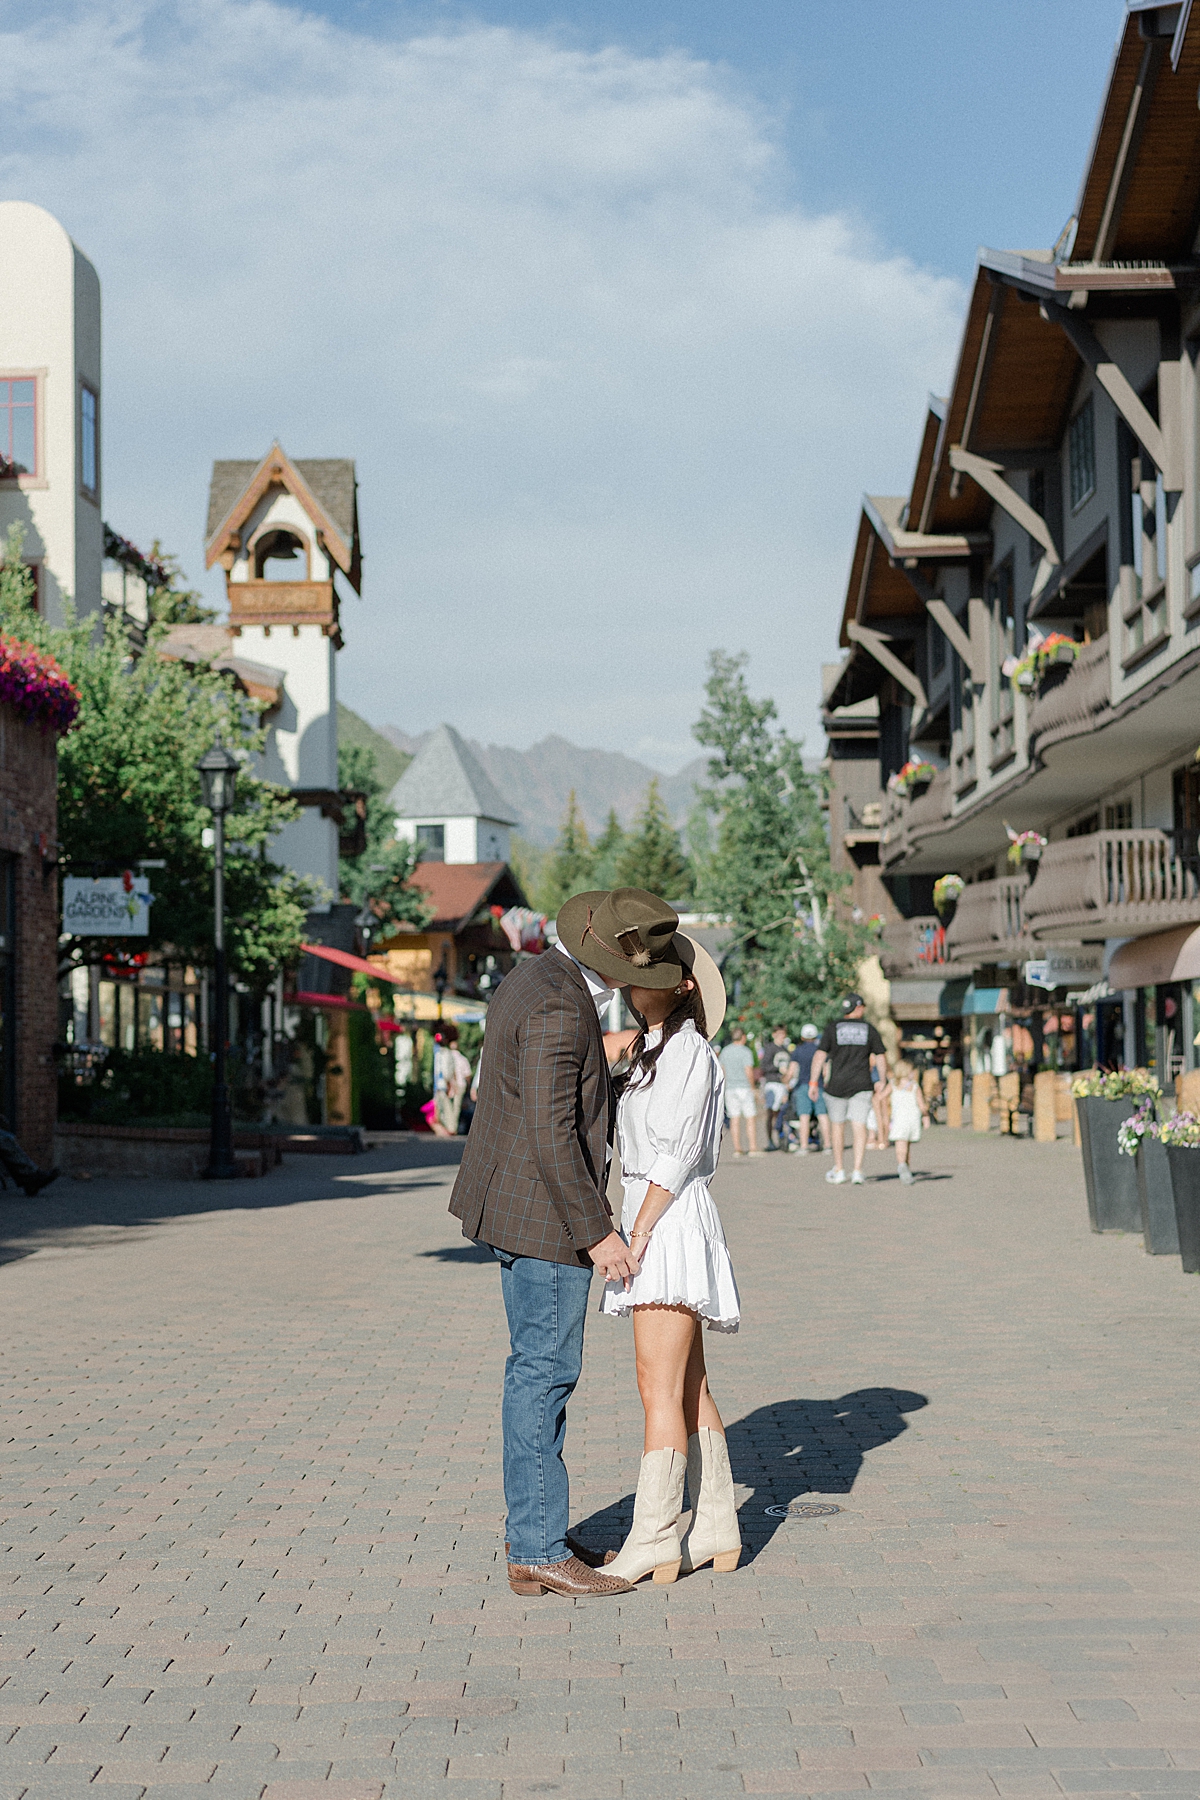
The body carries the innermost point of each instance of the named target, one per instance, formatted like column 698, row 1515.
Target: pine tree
column 606, row 851
column 768, row 871
column 652, row 856
column 571, row 866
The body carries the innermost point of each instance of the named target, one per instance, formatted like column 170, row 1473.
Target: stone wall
column 28, row 831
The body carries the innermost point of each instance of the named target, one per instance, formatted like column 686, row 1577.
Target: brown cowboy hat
column 627, row 936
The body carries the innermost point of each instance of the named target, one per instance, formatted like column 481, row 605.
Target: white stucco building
column 50, row 411
column 447, row 804
column 284, row 532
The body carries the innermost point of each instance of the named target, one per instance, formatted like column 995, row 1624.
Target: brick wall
column 28, row 831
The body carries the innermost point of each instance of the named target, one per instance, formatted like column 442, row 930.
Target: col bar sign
column 110, row 906
column 1068, row 965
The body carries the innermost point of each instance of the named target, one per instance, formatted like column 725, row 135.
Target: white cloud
column 613, row 394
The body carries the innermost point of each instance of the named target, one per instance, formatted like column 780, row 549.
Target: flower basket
column 1045, row 665
column 946, row 890
column 913, row 779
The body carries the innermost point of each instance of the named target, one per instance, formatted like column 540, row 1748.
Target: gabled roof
column 326, row 488
column 458, row 890
column 444, row 781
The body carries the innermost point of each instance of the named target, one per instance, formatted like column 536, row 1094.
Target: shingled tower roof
column 445, row 781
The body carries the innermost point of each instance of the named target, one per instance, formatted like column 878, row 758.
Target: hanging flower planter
column 946, row 890
column 1024, row 847
column 36, row 687
column 912, row 779
column 1045, row 665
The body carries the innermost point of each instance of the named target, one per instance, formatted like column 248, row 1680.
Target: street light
column 441, row 978
column 218, row 769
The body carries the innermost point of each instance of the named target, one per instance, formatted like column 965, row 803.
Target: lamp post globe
column 218, row 769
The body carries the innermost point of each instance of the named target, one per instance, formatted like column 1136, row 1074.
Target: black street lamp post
column 441, row 979
column 218, row 775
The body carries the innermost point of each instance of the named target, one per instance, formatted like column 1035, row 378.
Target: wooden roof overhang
column 278, row 470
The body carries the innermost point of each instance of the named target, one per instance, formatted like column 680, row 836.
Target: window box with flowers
column 912, row 779
column 1105, row 1101
column 1044, row 665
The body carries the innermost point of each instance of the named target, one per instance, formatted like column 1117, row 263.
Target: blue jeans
column 545, row 1303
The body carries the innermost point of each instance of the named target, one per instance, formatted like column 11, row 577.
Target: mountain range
column 538, row 781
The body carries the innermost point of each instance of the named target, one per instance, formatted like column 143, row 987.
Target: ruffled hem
column 682, row 1268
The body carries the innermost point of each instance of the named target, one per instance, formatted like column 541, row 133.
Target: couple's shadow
column 785, row 1451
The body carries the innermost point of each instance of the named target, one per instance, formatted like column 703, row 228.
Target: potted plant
column 912, row 779
column 1103, row 1100
column 1044, row 664
column 1024, row 846
column 946, row 890
column 1180, row 1136
column 1139, row 1137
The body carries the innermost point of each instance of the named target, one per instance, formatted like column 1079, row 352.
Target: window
column 1000, row 602
column 89, row 443
column 1082, row 453
column 1119, row 816
column 18, row 425
column 1037, row 499
column 1084, row 827
column 431, row 842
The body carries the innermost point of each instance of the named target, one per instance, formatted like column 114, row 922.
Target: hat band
column 640, row 958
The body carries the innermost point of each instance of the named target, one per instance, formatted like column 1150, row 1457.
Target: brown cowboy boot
column 571, row 1578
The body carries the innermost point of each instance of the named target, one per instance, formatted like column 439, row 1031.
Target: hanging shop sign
column 107, row 906
column 1069, row 965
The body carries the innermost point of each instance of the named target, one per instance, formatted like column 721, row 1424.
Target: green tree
column 379, row 877
column 128, row 790
column 652, row 856
column 571, row 866
column 606, row 851
column 768, row 868
column 168, row 601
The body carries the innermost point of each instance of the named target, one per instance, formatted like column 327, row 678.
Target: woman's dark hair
column 639, row 1064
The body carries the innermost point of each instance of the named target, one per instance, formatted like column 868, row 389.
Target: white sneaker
column 905, row 1173
column 857, row 1177
column 835, row 1174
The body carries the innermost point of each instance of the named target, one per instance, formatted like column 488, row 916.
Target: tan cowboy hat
column 704, row 972
column 627, row 936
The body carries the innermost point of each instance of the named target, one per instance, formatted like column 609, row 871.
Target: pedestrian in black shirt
column 849, row 1048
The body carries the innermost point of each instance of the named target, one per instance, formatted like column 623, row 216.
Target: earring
column 679, row 990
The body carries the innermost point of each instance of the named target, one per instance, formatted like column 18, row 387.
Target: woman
column 669, row 1122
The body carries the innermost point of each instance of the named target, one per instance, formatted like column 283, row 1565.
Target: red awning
column 344, row 960
column 333, row 1001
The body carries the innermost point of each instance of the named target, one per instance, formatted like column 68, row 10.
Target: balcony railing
column 916, row 948
column 1078, row 702
column 1115, row 884
column 989, row 923
column 906, row 821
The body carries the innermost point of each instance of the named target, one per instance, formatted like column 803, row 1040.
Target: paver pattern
column 252, row 1520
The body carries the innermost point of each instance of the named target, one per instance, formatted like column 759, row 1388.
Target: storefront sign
column 1077, row 965
column 110, row 906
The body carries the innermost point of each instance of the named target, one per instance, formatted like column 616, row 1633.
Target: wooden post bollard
column 1009, row 1087
column 983, row 1087
column 1045, row 1126
column 954, row 1098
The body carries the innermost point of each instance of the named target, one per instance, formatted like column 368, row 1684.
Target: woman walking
column 669, row 1121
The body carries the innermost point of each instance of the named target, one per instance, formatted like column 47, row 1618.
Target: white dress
column 670, row 1133
column 906, row 1113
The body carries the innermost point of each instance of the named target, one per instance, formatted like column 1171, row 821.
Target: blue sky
column 619, row 308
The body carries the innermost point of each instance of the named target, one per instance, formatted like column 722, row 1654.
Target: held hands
column 615, row 1260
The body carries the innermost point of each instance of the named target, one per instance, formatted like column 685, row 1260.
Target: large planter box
column 1111, row 1179
column 1185, row 1183
column 1160, row 1230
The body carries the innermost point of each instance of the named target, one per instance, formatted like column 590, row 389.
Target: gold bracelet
column 649, row 1233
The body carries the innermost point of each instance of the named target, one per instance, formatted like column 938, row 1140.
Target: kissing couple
column 554, row 1091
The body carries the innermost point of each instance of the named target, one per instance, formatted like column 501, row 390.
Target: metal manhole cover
column 803, row 1509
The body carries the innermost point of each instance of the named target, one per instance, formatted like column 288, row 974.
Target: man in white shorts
column 848, row 1049
column 741, row 1105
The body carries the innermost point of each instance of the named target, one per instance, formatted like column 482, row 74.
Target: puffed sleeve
column 678, row 1110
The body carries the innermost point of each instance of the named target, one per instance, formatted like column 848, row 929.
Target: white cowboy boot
column 653, row 1542
column 713, row 1535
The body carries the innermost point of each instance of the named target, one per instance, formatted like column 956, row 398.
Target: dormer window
column 281, row 555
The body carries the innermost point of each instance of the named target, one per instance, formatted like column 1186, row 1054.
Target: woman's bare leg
column 663, row 1340
column 699, row 1407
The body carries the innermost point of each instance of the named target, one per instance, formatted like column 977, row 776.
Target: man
column 773, row 1067
column 809, row 1107
column 737, row 1061
column 850, row 1048
column 532, row 1187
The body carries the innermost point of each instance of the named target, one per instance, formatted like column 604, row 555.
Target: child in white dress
column 909, row 1109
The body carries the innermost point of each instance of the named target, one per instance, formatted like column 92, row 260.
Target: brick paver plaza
column 252, row 1515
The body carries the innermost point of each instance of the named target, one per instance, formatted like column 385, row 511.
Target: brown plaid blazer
column 533, row 1174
